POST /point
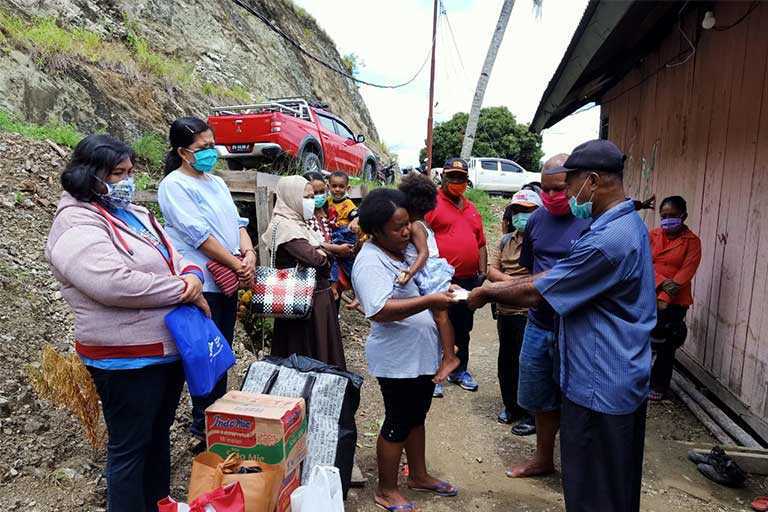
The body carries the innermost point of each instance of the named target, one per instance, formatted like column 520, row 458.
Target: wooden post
column 431, row 93
column 702, row 416
column 263, row 199
column 728, row 425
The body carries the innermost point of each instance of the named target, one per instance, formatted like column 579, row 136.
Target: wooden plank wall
column 699, row 129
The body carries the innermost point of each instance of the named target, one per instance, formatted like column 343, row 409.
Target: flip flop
column 443, row 489
column 405, row 507
column 760, row 504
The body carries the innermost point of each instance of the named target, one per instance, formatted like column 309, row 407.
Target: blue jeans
column 539, row 387
column 139, row 408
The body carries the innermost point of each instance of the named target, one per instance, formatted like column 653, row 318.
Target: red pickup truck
column 251, row 134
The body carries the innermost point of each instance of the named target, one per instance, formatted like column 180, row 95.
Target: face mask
column 556, row 204
column 205, row 159
column 519, row 220
column 320, row 200
column 338, row 199
column 308, row 207
column 120, row 194
column 457, row 189
column 672, row 224
column 583, row 210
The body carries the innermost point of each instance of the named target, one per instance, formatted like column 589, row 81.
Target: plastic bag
column 205, row 353
column 224, row 499
column 332, row 397
column 322, row 493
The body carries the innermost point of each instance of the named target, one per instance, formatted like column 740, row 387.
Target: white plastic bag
column 321, row 494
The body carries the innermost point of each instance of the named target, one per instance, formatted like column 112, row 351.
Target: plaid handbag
column 283, row 292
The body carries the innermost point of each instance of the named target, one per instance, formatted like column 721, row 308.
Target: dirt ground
column 46, row 465
column 466, row 446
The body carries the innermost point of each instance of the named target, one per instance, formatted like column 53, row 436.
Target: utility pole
column 431, row 93
column 485, row 75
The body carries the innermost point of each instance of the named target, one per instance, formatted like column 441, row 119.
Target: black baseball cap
column 456, row 164
column 594, row 155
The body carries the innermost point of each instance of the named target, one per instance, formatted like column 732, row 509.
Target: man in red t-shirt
column 460, row 238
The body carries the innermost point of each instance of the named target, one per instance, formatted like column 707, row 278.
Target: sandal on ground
column 405, row 507
column 760, row 504
column 443, row 489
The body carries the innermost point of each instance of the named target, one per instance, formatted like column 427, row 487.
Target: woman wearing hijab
column 318, row 336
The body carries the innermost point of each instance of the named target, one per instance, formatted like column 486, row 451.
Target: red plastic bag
column 224, row 499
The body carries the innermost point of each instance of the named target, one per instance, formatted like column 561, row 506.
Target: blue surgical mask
column 120, row 194
column 519, row 220
column 320, row 200
column 205, row 159
column 583, row 210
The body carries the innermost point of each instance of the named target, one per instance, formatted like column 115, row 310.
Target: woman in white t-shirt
column 402, row 348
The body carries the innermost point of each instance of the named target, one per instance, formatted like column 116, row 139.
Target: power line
column 323, row 63
column 453, row 37
column 687, row 39
column 742, row 18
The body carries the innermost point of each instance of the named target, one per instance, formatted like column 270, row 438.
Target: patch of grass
column 60, row 133
column 48, row 38
column 487, row 206
column 156, row 63
column 144, row 181
column 236, row 92
column 11, row 26
column 151, row 148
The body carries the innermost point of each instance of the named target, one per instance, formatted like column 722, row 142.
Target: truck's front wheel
column 235, row 165
column 310, row 162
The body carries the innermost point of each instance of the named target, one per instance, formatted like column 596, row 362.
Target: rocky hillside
column 129, row 67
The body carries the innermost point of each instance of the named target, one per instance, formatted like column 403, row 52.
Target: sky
column 392, row 40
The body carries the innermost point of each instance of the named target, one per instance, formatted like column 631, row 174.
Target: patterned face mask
column 120, row 194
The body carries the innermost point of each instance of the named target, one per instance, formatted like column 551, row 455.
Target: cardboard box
column 267, row 428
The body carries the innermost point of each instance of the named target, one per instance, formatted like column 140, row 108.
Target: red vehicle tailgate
column 241, row 128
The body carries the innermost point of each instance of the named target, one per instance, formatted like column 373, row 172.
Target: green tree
column 498, row 135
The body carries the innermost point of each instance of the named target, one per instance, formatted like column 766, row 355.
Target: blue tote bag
column 205, row 353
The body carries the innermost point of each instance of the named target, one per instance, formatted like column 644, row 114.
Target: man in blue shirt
column 549, row 235
column 604, row 294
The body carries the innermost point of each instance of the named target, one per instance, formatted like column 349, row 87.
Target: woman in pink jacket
column 120, row 276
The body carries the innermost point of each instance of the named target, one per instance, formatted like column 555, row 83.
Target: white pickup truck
column 495, row 175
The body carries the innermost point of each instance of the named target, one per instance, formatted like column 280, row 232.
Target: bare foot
column 390, row 498
column 533, row 467
column 449, row 363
